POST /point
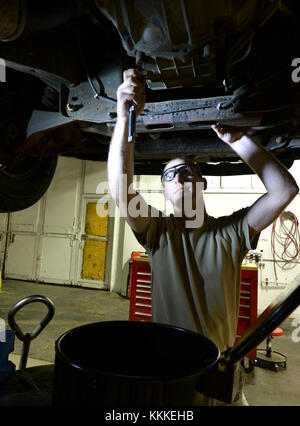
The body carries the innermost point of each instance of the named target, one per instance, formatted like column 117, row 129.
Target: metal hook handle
column 43, row 323
column 27, row 337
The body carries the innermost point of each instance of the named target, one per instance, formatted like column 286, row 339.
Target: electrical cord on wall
column 287, row 238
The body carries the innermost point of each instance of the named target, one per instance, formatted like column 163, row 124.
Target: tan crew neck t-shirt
column 196, row 273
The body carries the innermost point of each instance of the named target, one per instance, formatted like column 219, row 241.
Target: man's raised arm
column 120, row 163
column 280, row 185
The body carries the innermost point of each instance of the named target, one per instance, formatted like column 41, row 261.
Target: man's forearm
column 273, row 174
column 120, row 162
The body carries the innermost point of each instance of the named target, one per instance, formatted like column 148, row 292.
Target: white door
column 22, row 243
column 59, row 230
column 41, row 240
column 93, row 266
column 50, row 241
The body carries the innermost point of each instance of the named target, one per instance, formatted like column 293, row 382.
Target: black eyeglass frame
column 193, row 166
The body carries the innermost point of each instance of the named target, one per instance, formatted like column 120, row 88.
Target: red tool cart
column 140, row 294
column 248, row 302
column 140, row 288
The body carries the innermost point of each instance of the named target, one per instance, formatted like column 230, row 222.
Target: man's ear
column 204, row 183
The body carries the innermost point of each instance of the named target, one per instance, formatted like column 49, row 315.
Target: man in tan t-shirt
column 195, row 258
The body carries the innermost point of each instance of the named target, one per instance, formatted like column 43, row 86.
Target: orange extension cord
column 287, row 238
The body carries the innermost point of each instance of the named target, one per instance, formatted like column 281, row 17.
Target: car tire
column 24, row 186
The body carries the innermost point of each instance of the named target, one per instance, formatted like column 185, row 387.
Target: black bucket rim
column 99, row 371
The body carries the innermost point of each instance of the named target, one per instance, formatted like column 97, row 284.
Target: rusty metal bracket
column 175, row 115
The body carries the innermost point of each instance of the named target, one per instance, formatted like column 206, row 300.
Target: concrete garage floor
column 76, row 306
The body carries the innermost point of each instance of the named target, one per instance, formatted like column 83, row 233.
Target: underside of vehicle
column 234, row 62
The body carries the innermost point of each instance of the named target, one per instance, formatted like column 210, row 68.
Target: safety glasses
column 183, row 170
